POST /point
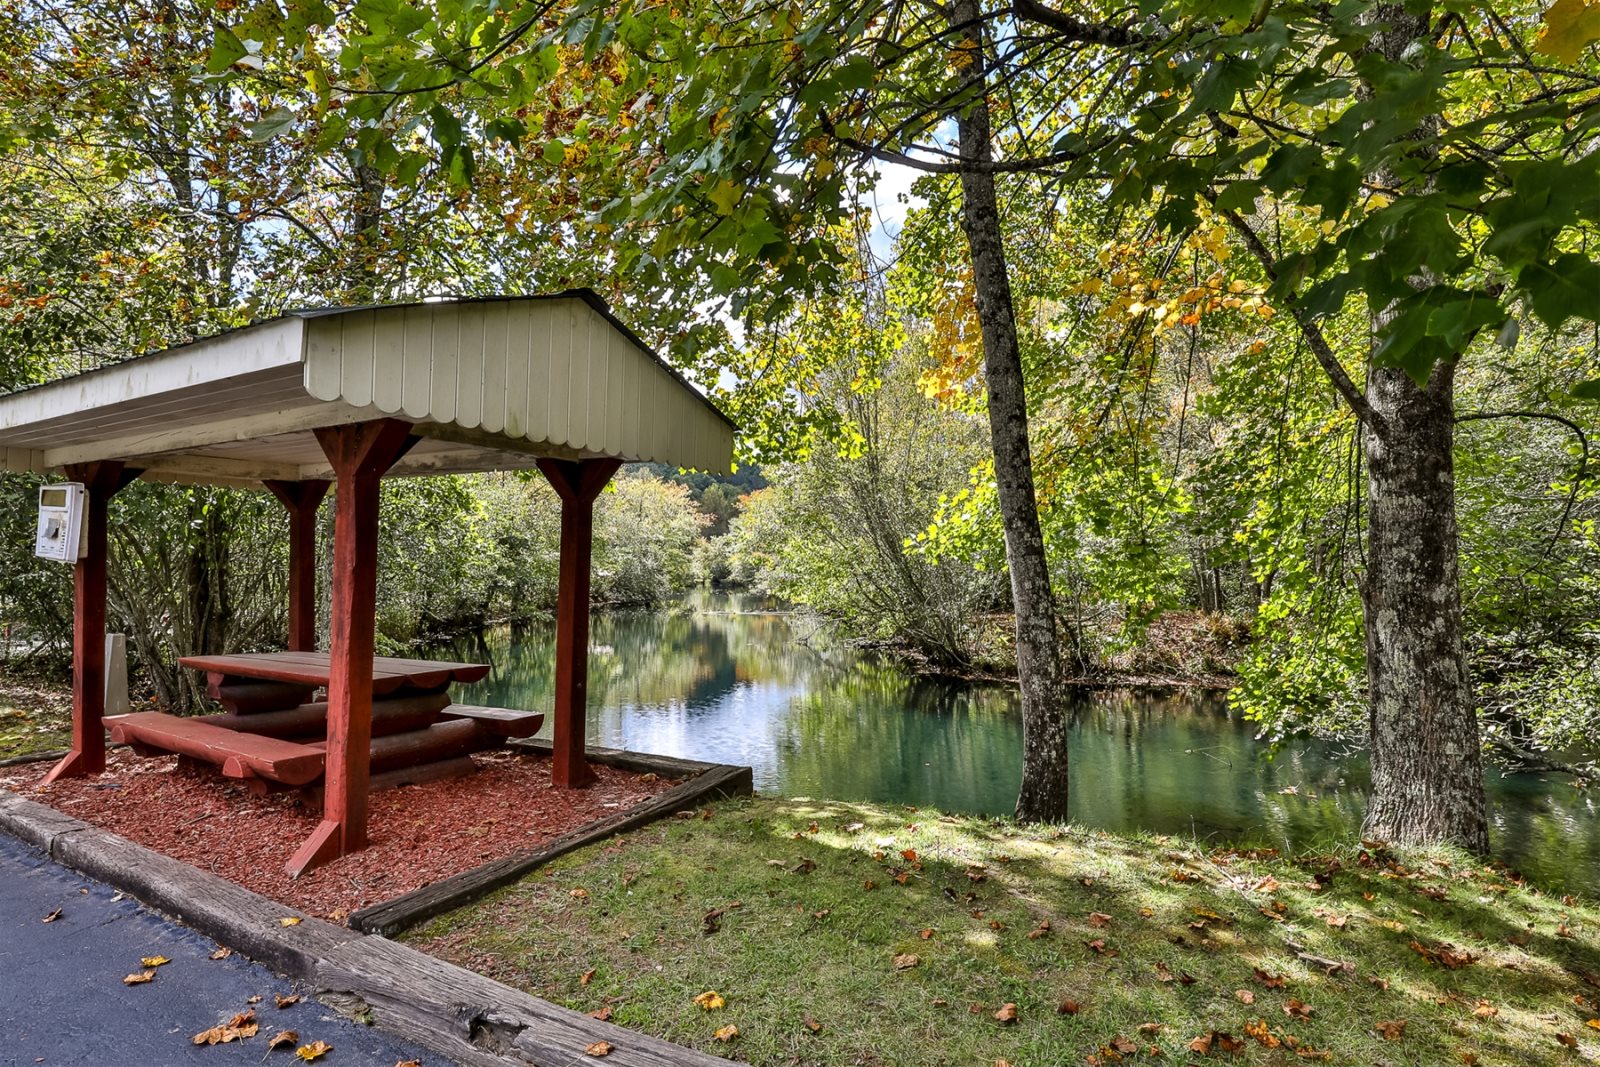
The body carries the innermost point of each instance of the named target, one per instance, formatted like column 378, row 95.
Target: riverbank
column 1178, row 650
column 792, row 932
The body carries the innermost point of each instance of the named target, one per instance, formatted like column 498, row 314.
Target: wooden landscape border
column 702, row 782
column 450, row 1010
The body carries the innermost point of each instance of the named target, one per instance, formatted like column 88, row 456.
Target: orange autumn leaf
column 1007, row 1014
column 727, row 1033
column 1262, row 1033
column 710, row 1000
column 599, row 1048
column 283, row 1038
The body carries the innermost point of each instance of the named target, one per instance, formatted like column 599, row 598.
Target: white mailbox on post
column 61, row 534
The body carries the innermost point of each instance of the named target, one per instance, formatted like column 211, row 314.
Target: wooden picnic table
column 312, row 669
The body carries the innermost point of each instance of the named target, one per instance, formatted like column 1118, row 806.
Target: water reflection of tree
column 725, row 678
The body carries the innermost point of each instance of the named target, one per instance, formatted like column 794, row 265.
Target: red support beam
column 87, row 756
column 577, row 483
column 301, row 500
column 359, row 455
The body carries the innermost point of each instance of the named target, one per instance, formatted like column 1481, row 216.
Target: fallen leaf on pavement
column 313, row 1050
column 52, row 917
column 283, row 1038
column 290, row 920
column 139, row 979
column 240, row 1026
column 154, row 961
column 222, row 953
column 284, row 1002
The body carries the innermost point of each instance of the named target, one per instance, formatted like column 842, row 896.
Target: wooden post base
column 325, row 845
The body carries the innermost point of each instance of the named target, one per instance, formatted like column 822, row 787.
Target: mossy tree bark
column 1043, row 794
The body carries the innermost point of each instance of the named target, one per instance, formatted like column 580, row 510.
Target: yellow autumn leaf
column 726, row 196
column 1569, row 27
column 313, row 1050
column 154, row 961
column 710, row 1000
column 727, row 1033
column 289, row 920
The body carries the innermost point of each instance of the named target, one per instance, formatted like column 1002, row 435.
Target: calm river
column 721, row 678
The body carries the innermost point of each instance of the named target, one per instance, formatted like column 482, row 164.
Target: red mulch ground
column 419, row 834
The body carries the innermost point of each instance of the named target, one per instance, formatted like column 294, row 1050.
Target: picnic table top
column 312, row 668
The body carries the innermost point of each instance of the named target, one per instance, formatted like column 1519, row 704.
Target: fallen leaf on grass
column 727, row 1033
column 603, row 1014
column 283, row 1038
column 1068, row 1007
column 1042, row 930
column 1262, row 1033
column 1468, row 1058
column 1099, row 918
column 599, row 1048
column 52, row 917
column 1007, row 1014
column 240, row 1026
column 1381, row 983
column 139, row 979
column 1485, row 1009
column 313, row 1050
column 1245, row 996
column 1122, row 1046
column 1391, row 1029
column 906, row 960
column 1225, row 1041
column 710, row 1000
column 1444, row 954
column 811, row 1024
column 1296, row 1009
column 926, row 934
column 1567, row 1040
column 1098, row 947
column 1271, row 981
column 586, row 977
column 289, row 920
column 1594, row 1023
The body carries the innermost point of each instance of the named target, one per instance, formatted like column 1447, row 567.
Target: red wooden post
column 359, row 454
column 577, row 483
column 87, row 756
column 302, row 500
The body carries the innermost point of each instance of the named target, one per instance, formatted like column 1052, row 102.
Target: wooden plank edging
column 452, row 1011
column 391, row 916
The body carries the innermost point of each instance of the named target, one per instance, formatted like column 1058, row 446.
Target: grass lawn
column 35, row 716
column 849, row 934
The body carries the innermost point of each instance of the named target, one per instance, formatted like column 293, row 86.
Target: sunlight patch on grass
column 809, row 910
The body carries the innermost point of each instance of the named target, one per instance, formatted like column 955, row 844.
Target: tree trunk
column 1427, row 774
column 1043, row 795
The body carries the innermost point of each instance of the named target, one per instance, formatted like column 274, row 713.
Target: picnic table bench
column 274, row 736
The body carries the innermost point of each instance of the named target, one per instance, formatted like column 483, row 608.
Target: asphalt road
column 63, row 1002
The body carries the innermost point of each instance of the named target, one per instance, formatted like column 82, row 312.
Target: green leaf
column 273, row 123
column 1567, row 288
column 1238, row 196
column 725, row 195
column 1589, row 390
column 226, row 50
